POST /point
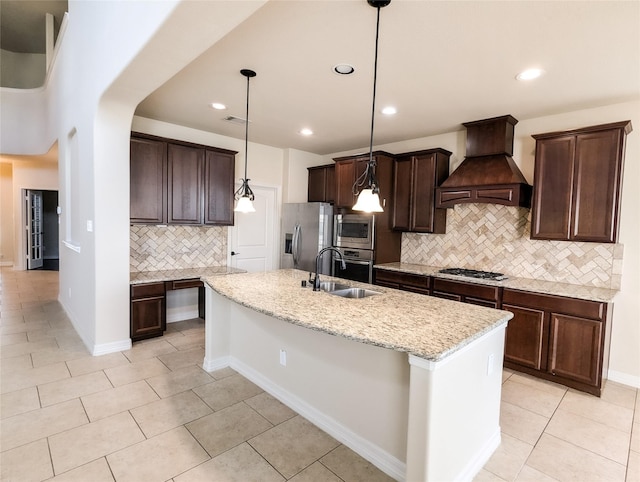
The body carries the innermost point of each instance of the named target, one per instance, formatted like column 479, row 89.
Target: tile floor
column 152, row 414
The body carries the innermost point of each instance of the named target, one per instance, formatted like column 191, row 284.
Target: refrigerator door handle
column 295, row 245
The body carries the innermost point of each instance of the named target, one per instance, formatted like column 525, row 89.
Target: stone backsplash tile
column 156, row 248
column 493, row 237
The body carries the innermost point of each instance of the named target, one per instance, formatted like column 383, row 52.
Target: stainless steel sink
column 332, row 286
column 354, row 293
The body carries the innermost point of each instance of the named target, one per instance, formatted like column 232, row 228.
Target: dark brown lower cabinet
column 475, row 294
column 403, row 281
column 148, row 310
column 565, row 340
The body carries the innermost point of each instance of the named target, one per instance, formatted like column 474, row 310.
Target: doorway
column 41, row 212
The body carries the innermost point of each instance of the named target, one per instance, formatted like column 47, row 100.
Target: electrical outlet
column 283, row 357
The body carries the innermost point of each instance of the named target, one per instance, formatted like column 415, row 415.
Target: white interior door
column 252, row 237
column 34, row 229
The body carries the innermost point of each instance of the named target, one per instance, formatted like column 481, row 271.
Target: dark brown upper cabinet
column 322, row 184
column 148, row 181
column 175, row 182
column 416, row 176
column 578, row 183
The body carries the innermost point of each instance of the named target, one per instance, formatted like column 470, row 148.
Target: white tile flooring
column 152, row 414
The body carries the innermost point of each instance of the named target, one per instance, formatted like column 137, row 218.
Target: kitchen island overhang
column 411, row 383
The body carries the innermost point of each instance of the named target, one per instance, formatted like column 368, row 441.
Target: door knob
column 233, row 253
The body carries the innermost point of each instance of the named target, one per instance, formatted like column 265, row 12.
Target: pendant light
column 369, row 196
column 244, row 195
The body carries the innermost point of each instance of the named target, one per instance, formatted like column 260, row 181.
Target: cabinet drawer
column 482, row 292
column 147, row 289
column 408, row 279
column 183, row 284
column 595, row 310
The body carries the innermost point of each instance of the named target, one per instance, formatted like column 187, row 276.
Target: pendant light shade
column 369, row 195
column 244, row 196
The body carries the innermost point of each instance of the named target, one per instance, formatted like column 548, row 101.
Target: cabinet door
column 596, row 186
column 219, row 169
column 423, row 216
column 185, row 184
column 576, row 348
column 447, row 296
column 148, row 181
column 316, row 184
column 330, row 184
column 147, row 317
column 553, row 186
column 526, row 343
column 402, row 194
column 347, row 172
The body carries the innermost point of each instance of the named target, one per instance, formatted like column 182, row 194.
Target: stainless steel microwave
column 354, row 231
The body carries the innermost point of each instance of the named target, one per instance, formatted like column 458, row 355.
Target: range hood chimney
column 488, row 173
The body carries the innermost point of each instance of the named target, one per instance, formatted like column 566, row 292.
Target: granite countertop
column 590, row 293
column 178, row 274
column 425, row 326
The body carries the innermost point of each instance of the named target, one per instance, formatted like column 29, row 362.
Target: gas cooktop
column 472, row 273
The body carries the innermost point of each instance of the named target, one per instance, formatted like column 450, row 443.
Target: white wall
column 21, row 70
column 296, row 175
column 6, row 214
column 624, row 365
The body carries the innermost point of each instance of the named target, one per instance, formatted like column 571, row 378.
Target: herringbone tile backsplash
column 155, row 248
column 493, row 237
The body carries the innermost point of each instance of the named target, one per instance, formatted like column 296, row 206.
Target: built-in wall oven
column 354, row 236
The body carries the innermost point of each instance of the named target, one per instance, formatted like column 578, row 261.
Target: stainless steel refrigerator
column 306, row 229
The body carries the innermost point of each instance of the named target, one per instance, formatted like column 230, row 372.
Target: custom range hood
column 488, row 173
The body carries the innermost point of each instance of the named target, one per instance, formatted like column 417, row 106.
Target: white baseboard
column 112, row 347
column 481, row 458
column 380, row 458
column 624, row 378
column 213, row 364
column 6, row 263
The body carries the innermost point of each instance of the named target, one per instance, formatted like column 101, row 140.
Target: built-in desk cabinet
column 148, row 313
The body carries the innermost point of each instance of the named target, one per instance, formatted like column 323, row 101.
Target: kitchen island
column 411, row 383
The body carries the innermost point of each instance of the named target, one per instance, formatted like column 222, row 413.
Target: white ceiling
column 441, row 63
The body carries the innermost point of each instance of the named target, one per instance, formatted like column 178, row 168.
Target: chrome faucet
column 343, row 265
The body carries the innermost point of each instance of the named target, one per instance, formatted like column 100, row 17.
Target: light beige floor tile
column 564, row 461
column 28, row 462
column 619, row 394
column 20, row 362
column 223, row 373
column 521, row 423
column 165, row 456
column 539, row 384
column 21, row 401
column 598, row 410
column 227, row 428
column 529, row 474
column 186, row 325
column 509, row 458
column 183, row 358
column 125, row 374
column 149, row 349
column 13, row 338
column 78, row 446
column 75, row 387
column 240, row 464
column 633, row 468
column 596, row 437
column 270, row 408
column 531, row 398
column 228, row 391
column 19, row 379
column 163, row 415
column 179, row 381
column 293, row 445
column 635, row 437
column 314, row 473
column 44, row 422
column 96, row 471
column 348, row 465
column 88, row 364
column 636, row 416
column 117, row 400
column 192, row 339
column 28, row 347
column 58, row 355
column 486, row 476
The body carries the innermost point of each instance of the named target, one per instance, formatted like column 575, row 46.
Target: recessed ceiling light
column 344, row 69
column 529, row 74
column 306, row 131
column 389, row 110
column 218, row 106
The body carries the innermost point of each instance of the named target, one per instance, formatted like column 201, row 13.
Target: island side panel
column 454, row 411
column 357, row 393
column 216, row 331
